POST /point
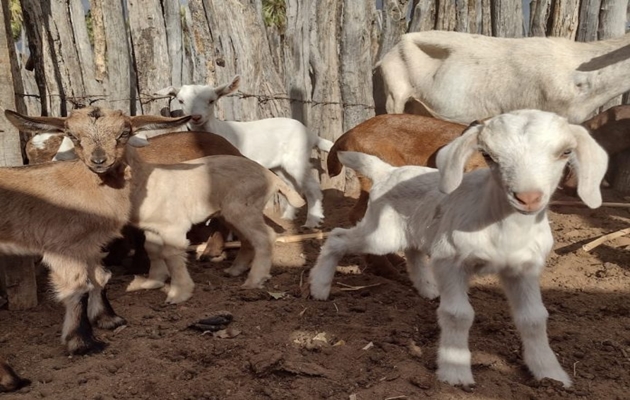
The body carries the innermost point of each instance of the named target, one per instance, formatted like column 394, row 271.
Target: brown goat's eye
column 71, row 136
column 124, row 135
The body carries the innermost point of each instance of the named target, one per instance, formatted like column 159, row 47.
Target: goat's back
column 399, row 139
column 176, row 147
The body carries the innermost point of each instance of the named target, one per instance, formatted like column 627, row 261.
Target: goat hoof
column 255, row 283
column 319, row 292
column 9, row 380
column 234, row 271
column 78, row 345
column 140, row 282
column 456, row 375
column 110, row 322
column 176, row 296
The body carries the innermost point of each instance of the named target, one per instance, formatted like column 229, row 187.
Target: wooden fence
column 315, row 63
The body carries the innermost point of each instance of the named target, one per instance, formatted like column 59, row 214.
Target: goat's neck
column 140, row 170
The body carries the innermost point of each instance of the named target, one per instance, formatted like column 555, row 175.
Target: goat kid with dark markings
column 68, row 211
column 9, row 379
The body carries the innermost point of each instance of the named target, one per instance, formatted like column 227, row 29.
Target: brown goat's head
column 99, row 135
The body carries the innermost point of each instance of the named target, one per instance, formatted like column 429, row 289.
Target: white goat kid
column 281, row 144
column 461, row 77
column 492, row 221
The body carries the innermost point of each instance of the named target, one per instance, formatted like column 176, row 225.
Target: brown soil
column 275, row 356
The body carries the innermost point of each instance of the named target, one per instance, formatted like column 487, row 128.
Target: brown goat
column 67, row 211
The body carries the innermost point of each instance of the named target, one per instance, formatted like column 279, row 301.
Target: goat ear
column 452, row 158
column 591, row 162
column 149, row 122
column 35, row 124
column 138, row 140
column 228, row 87
column 65, row 151
column 168, row 91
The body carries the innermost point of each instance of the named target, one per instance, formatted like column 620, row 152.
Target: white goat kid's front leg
column 530, row 317
column 321, row 275
column 174, row 252
column 455, row 317
column 303, row 181
column 158, row 272
column 420, row 273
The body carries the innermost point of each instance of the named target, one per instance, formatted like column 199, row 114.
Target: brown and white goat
column 67, row 211
column 9, row 379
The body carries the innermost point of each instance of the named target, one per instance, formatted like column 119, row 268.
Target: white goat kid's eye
column 566, row 153
column 180, row 101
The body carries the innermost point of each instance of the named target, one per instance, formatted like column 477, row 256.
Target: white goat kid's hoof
column 456, row 375
column 255, row 283
column 235, row 270
column 313, row 222
column 557, row 374
column 319, row 291
column 176, row 295
column 428, row 290
column 140, row 283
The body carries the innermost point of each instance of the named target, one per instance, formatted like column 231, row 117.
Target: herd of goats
column 463, row 192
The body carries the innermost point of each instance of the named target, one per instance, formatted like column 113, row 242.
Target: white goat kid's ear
column 138, row 140
column 168, row 91
column 591, row 162
column 452, row 158
column 228, row 87
column 27, row 123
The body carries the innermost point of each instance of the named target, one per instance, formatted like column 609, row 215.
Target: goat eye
column 210, row 101
column 566, row 153
column 486, row 156
column 180, row 101
column 124, row 134
column 71, row 136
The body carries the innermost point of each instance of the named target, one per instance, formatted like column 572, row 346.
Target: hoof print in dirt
column 216, row 322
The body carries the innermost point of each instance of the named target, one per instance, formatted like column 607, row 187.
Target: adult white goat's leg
column 100, row 311
column 420, row 274
column 530, row 317
column 158, row 272
column 69, row 278
column 455, row 317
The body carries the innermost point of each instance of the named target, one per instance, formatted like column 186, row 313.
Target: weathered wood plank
column 424, row 16
column 17, row 274
column 394, row 24
column 507, row 18
column 540, row 10
column 151, row 53
column 564, row 19
column 588, row 20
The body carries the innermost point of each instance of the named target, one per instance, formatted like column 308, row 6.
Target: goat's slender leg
column 530, row 317
column 174, row 252
column 243, row 259
column 9, row 380
column 304, row 182
column 100, row 311
column 261, row 238
column 455, row 317
column 420, row 274
column 158, row 273
column 289, row 211
column 69, row 278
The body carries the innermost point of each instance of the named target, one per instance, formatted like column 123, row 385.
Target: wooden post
column 17, row 274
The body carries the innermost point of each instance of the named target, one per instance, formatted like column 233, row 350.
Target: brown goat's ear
column 26, row 123
column 150, row 122
column 452, row 158
column 228, row 87
column 591, row 162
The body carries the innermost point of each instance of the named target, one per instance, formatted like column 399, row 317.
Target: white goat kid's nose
column 195, row 117
column 530, row 199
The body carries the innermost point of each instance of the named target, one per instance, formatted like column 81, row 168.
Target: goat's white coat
column 281, row 144
column 480, row 227
column 462, row 77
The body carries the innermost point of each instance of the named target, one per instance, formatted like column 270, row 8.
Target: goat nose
column 529, row 199
column 98, row 159
column 195, row 117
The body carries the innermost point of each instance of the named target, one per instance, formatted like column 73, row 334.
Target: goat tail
column 287, row 191
column 365, row 164
column 333, row 165
column 324, row 144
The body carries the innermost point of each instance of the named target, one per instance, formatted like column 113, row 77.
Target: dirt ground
column 377, row 342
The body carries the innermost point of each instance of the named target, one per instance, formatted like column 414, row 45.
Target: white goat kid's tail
column 324, row 144
column 287, row 191
column 365, row 164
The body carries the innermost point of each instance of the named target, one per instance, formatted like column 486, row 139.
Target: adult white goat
column 462, row 77
column 490, row 221
column 68, row 211
column 281, row 144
